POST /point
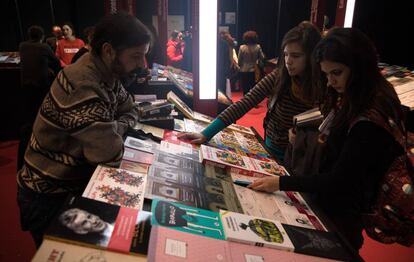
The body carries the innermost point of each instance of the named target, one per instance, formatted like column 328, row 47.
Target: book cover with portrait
column 84, row 221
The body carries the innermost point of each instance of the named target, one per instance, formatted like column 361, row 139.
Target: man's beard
column 118, row 69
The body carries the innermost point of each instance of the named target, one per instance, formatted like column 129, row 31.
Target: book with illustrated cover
column 187, row 219
column 311, row 117
column 116, row 186
column 141, row 145
column 255, row 231
column 238, row 163
column 84, row 221
column 134, row 166
column 52, row 250
column 181, row 106
column 240, row 143
column 317, row 243
column 181, row 150
column 171, row 245
column 138, row 156
column 155, row 131
column 191, row 189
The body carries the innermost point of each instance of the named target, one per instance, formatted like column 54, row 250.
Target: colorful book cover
column 181, row 150
column 116, row 186
column 242, row 164
column 173, row 246
column 138, row 156
column 52, row 250
column 317, row 243
column 148, row 146
column 134, row 167
column 255, row 231
column 187, row 219
column 93, row 223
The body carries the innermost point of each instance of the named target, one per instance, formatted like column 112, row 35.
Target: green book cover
column 187, row 219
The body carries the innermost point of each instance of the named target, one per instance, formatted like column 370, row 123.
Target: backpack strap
column 397, row 131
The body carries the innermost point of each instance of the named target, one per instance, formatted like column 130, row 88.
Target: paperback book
column 240, row 164
column 187, row 152
column 187, row 219
column 191, row 189
column 134, row 167
column 311, row 117
column 52, row 250
column 165, row 159
column 255, row 231
column 317, row 243
column 101, row 225
column 148, row 146
column 138, row 156
column 116, row 186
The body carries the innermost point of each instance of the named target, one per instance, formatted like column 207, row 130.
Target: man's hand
column 194, row 138
column 266, row 184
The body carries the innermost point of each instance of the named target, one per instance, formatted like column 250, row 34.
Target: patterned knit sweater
column 280, row 120
column 79, row 125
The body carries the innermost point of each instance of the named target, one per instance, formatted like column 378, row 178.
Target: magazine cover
column 173, row 246
column 255, row 231
column 116, row 186
column 148, row 146
column 181, row 150
column 93, row 223
column 134, row 167
column 187, row 219
column 51, row 250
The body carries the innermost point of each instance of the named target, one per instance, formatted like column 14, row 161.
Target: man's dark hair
column 120, row 30
column 174, row 34
column 35, row 33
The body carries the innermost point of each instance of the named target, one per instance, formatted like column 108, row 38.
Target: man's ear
column 108, row 53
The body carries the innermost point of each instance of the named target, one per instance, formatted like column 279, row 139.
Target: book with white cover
column 313, row 116
column 180, row 150
column 116, row 186
column 52, row 250
column 255, row 231
column 141, row 145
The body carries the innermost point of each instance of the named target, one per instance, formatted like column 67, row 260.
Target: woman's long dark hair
column 366, row 88
column 307, row 36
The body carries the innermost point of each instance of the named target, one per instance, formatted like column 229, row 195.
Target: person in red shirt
column 68, row 46
column 175, row 49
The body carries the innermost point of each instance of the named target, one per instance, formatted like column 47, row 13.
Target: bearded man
column 81, row 122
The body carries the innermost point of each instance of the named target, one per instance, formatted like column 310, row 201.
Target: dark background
column 382, row 20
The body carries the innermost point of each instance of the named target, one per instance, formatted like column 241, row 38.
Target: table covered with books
column 170, row 200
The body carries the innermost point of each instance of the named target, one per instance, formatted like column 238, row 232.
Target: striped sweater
column 280, row 120
column 80, row 124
